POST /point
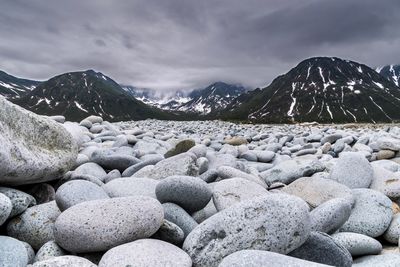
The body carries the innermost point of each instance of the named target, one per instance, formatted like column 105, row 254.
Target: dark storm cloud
column 178, row 44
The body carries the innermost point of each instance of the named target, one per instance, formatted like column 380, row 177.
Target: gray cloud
column 179, row 44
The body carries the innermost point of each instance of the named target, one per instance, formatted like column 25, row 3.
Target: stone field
column 196, row 193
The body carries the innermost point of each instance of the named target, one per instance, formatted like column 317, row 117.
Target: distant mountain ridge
column 391, row 72
column 77, row 95
column 11, row 86
column 321, row 89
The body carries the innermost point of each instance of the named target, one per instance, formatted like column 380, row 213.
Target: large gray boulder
column 252, row 224
column 99, row 225
column 146, row 252
column 34, row 148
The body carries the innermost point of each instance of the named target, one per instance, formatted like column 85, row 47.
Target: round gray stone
column 99, row 225
column 331, row 215
column 34, row 148
column 316, row 190
column 371, row 215
column 386, row 181
column 321, row 248
column 146, row 252
column 392, row 234
column 231, row 191
column 358, row 244
column 12, row 252
column 180, row 217
column 36, row 225
column 30, row 251
column 5, row 208
column 20, row 200
column 261, row 258
column 124, row 187
column 48, row 251
column 190, row 193
column 92, row 169
column 353, row 170
column 110, row 160
column 78, row 191
column 386, row 260
column 65, row 261
column 258, row 223
column 171, row 233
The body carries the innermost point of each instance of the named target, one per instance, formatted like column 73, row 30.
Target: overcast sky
column 178, row 44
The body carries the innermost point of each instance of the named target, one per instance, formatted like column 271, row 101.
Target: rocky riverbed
column 196, row 193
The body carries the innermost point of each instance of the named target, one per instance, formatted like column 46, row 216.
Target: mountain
column 11, row 86
column 322, row 89
column 215, row 97
column 391, row 72
column 77, row 95
column 163, row 100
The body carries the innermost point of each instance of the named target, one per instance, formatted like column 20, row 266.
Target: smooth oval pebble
column 146, row 252
column 275, row 222
column 35, row 226
column 321, row 248
column 344, row 170
column 12, row 252
column 190, row 193
column 261, row 258
column 124, row 187
column 231, row 191
column 65, row 261
column 49, row 250
column 358, row 244
column 5, row 208
column 180, row 217
column 20, row 200
column 371, row 215
column 78, row 191
column 386, row 260
column 99, row 225
column 170, row 232
column 392, row 234
column 331, row 215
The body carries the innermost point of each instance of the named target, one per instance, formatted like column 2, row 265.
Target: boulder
column 34, row 148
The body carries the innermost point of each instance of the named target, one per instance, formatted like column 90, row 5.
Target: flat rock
column 331, row 215
column 321, row 248
column 231, row 191
column 35, row 225
column 371, row 215
column 34, row 148
column 290, row 170
column 252, row 224
column 344, row 170
column 386, row 260
column 78, row 191
column 190, row 193
column 315, row 190
column 99, row 225
column 181, row 164
column 125, row 187
column 146, row 252
column 261, row 258
column 358, row 244
column 12, row 252
column 65, row 261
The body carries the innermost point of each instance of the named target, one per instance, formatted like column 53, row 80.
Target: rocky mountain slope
column 321, row 89
column 11, row 86
column 214, row 97
column 79, row 94
column 391, row 72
